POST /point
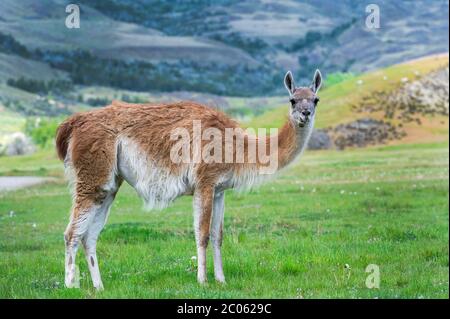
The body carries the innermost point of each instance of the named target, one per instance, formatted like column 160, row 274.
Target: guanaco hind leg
column 80, row 218
column 85, row 227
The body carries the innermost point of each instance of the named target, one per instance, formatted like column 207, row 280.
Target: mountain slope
column 40, row 25
column 225, row 47
column 338, row 102
column 300, row 34
column 14, row 67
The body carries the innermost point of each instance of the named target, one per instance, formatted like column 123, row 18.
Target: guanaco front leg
column 217, row 233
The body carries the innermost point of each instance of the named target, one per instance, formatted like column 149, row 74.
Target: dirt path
column 10, row 183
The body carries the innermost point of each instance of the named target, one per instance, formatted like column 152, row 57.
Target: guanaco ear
column 289, row 82
column 317, row 81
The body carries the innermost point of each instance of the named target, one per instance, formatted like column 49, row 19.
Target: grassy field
column 10, row 123
column 309, row 233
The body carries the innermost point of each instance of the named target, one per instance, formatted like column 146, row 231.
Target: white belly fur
column 156, row 185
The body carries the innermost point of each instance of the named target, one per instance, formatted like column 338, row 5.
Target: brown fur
column 95, row 132
column 63, row 135
column 93, row 135
column 205, row 216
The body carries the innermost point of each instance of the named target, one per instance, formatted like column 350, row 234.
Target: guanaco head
column 303, row 99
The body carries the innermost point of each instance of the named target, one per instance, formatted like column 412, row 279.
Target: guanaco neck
column 292, row 141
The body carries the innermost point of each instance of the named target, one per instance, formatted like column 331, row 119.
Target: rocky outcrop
column 364, row 132
column 320, row 140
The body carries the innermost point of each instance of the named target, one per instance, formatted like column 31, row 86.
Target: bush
column 42, row 131
column 17, row 144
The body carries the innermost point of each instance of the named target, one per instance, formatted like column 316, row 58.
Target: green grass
column 42, row 163
column 10, row 123
column 290, row 238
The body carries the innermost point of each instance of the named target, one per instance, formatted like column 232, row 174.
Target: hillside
column 299, row 35
column 14, row 67
column 339, row 103
column 228, row 54
column 39, row 25
column 227, row 47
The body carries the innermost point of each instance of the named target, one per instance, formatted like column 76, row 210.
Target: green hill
column 336, row 101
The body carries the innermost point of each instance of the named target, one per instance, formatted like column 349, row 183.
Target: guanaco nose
column 306, row 113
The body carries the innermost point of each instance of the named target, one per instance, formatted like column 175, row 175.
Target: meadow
column 308, row 233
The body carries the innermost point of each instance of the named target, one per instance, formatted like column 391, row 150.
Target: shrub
column 42, row 131
column 17, row 144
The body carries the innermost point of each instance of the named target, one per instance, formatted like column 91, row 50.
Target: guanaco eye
column 292, row 102
column 316, row 100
